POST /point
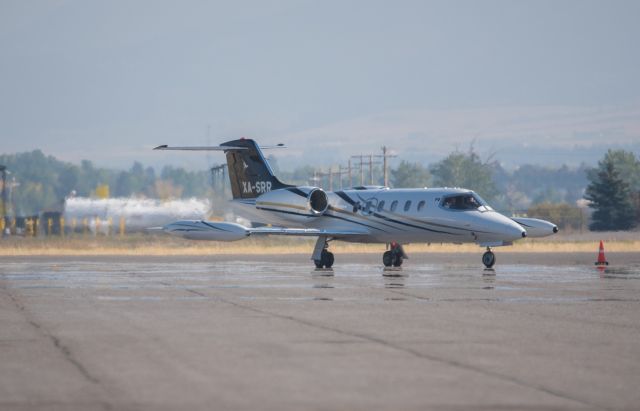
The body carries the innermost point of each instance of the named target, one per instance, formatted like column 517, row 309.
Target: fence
column 56, row 225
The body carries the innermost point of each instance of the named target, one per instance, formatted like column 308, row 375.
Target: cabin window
column 407, row 205
column 380, row 205
column 421, row 205
column 394, row 205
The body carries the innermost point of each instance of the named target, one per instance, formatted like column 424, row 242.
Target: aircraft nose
column 515, row 230
column 502, row 228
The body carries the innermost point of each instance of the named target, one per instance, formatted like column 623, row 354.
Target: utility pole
column 385, row 155
column 360, row 164
column 217, row 175
column 371, row 169
column 342, row 171
column 330, row 178
column 320, row 174
column 315, row 179
column 3, row 169
column 338, row 173
column 371, row 163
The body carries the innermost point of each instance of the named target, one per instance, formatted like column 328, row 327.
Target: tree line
column 40, row 183
column 611, row 189
column 507, row 190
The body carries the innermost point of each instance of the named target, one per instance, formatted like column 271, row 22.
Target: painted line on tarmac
column 388, row 344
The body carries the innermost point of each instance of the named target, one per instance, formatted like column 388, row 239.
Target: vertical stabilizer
column 249, row 172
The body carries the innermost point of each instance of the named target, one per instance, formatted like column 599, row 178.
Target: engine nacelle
column 206, row 230
column 302, row 201
column 536, row 227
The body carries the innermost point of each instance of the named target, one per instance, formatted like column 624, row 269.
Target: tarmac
column 270, row 333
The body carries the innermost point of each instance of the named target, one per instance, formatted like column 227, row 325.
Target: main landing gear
column 326, row 260
column 488, row 258
column 322, row 257
column 394, row 256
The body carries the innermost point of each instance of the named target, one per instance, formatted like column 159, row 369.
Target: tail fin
column 249, row 172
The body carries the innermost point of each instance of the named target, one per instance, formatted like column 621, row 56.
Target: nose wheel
column 488, row 258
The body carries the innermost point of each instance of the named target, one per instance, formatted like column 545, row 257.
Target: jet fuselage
column 403, row 215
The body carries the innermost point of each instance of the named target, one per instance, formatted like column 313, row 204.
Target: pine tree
column 610, row 198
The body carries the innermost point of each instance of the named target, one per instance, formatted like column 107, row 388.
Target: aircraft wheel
column 318, row 263
column 326, row 259
column 387, row 258
column 397, row 261
column 488, row 259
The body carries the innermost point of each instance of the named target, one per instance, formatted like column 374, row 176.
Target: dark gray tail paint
column 249, row 172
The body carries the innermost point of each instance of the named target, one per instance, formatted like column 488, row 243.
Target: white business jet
column 360, row 214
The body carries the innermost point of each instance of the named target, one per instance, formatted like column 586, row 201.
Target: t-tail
column 249, row 172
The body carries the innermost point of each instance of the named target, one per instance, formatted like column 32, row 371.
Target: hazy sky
column 107, row 80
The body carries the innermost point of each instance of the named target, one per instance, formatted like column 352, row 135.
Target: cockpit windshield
column 464, row 201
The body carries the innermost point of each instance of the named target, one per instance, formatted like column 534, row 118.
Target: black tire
column 327, row 259
column 488, row 259
column 397, row 261
column 318, row 263
column 387, row 258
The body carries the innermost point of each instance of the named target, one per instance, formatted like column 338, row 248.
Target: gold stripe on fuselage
column 284, row 205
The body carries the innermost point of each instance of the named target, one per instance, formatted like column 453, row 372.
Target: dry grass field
column 161, row 245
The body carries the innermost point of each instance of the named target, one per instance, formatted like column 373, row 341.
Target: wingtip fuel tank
column 535, row 227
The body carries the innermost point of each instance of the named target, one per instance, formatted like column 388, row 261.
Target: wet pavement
column 271, row 333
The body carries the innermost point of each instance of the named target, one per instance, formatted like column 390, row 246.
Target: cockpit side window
column 463, row 202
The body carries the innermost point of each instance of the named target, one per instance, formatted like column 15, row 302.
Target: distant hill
column 517, row 135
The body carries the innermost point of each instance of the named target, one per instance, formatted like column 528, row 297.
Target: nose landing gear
column 488, row 258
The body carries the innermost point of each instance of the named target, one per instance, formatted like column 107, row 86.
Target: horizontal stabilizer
column 200, row 148
column 213, row 148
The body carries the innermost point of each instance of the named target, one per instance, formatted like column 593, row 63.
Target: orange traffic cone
column 601, row 258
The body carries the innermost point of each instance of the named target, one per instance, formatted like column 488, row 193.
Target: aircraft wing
column 226, row 231
column 305, row 232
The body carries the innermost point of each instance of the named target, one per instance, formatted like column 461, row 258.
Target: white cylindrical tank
column 130, row 214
